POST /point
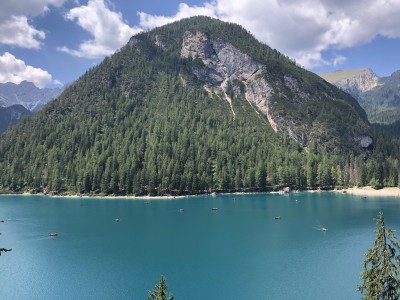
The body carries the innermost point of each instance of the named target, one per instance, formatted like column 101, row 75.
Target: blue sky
column 53, row 42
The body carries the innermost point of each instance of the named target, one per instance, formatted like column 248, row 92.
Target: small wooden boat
column 53, row 234
column 214, row 209
column 116, row 220
column 278, row 218
column 324, row 229
column 181, row 210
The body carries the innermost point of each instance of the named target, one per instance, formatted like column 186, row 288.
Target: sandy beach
column 359, row 191
column 369, row 191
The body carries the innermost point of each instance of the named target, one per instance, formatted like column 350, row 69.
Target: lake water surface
column 239, row 251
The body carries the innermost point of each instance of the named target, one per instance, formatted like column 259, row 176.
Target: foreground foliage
column 160, row 291
column 381, row 267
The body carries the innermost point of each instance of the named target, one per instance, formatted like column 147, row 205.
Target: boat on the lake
column 181, row 210
column 116, row 220
column 214, row 209
column 278, row 217
column 324, row 229
column 53, row 234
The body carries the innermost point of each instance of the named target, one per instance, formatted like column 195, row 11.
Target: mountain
column 379, row 96
column 27, row 95
column 12, row 115
column 383, row 102
column 197, row 105
column 353, row 81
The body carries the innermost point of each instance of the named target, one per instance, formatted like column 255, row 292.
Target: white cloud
column 15, row 29
column 339, row 60
column 26, row 7
column 301, row 29
column 17, row 32
column 15, row 70
column 57, row 82
column 148, row 21
column 107, row 27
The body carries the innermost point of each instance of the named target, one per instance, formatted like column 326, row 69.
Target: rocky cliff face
column 225, row 66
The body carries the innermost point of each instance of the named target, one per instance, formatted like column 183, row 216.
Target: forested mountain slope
column 195, row 106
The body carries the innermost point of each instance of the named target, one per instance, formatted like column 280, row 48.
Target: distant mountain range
column 379, row 96
column 18, row 100
column 27, row 95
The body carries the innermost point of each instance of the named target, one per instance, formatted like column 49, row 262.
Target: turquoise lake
column 239, row 251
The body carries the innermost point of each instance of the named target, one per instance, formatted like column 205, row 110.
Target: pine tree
column 160, row 291
column 381, row 276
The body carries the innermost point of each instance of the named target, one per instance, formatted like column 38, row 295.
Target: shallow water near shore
column 239, row 251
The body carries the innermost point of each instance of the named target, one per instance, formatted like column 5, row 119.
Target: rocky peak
column 225, row 65
column 228, row 61
column 364, row 81
column 26, row 94
column 353, row 81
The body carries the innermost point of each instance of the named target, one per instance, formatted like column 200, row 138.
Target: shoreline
column 357, row 191
column 369, row 191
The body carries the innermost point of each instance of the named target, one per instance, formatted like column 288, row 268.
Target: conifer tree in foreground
column 381, row 266
column 160, row 291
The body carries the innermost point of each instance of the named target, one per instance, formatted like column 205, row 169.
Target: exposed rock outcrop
column 353, row 81
column 223, row 66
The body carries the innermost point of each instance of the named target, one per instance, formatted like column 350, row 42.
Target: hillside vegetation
column 142, row 122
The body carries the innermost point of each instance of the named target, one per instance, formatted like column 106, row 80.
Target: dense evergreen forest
column 132, row 126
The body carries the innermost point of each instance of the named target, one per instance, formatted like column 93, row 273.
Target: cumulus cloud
column 15, row 29
column 107, row 27
column 148, row 21
column 17, row 32
column 15, row 70
column 303, row 29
